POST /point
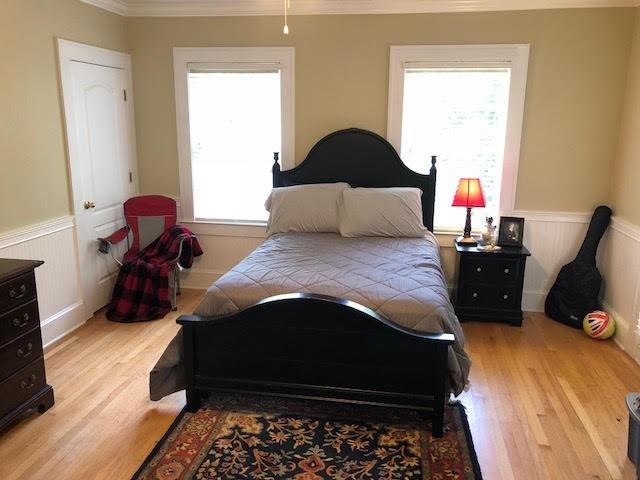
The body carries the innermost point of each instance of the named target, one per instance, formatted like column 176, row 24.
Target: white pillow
column 382, row 212
column 304, row 208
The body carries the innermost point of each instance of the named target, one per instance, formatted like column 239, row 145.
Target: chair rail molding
column 194, row 8
column 34, row 231
column 59, row 300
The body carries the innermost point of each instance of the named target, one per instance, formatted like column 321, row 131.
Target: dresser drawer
column 488, row 296
column 21, row 386
column 494, row 270
column 18, row 321
column 20, row 352
column 17, row 291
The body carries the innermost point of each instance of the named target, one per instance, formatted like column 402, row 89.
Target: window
column 463, row 104
column 234, row 109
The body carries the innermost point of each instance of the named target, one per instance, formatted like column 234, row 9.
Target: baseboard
column 62, row 323
column 533, row 301
column 199, row 279
column 624, row 336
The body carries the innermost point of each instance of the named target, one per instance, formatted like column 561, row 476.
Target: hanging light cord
column 287, row 5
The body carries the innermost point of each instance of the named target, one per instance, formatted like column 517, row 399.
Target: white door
column 100, row 149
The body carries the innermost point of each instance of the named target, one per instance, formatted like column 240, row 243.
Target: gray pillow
column 382, row 212
column 304, row 208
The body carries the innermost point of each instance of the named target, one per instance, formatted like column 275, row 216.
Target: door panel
column 103, row 165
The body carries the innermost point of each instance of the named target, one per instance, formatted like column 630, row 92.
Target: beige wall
column 34, row 182
column 625, row 196
column 576, row 81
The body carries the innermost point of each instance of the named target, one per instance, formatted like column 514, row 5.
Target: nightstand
column 488, row 285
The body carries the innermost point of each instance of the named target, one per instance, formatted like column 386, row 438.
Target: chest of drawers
column 488, row 285
column 23, row 383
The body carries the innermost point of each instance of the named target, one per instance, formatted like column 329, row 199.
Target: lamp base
column 466, row 241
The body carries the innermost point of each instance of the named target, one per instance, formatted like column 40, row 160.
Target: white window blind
column 460, row 114
column 235, row 121
column 465, row 104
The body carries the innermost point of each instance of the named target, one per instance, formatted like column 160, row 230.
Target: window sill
column 227, row 228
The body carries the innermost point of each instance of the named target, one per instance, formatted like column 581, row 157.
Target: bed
column 316, row 315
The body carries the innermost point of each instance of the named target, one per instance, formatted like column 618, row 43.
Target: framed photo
column 511, row 232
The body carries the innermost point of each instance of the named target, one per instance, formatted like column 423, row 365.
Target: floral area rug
column 263, row 438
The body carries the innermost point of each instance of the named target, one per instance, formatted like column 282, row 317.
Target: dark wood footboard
column 320, row 347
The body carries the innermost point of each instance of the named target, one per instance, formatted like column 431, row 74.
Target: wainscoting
column 59, row 296
column 620, row 266
column 552, row 237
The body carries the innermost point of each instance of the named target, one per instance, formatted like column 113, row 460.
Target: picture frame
column 511, row 232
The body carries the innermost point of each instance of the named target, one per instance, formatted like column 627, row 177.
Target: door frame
column 69, row 52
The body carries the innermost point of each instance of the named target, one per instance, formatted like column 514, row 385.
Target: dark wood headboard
column 362, row 159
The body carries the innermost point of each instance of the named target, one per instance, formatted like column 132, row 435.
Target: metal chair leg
column 179, row 270
column 174, row 300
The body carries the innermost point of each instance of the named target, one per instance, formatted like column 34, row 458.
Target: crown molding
column 217, row 8
column 121, row 7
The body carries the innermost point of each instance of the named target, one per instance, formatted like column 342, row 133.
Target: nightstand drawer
column 488, row 296
column 494, row 270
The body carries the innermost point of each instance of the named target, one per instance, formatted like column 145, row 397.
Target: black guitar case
column 575, row 291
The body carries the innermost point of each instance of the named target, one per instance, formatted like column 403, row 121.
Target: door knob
column 88, row 205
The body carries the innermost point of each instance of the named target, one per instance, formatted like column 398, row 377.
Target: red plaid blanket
column 141, row 291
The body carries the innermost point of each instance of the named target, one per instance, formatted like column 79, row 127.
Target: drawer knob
column 475, row 295
column 21, row 323
column 29, row 382
column 505, row 296
column 18, row 292
column 479, row 269
column 506, row 270
column 24, row 352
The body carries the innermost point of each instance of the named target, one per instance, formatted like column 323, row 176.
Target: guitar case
column 575, row 292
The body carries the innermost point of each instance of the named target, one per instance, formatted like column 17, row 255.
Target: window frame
column 515, row 56
column 239, row 58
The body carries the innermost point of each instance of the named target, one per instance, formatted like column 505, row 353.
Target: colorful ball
column 599, row 325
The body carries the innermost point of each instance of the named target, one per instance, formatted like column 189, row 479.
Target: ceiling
column 189, row 8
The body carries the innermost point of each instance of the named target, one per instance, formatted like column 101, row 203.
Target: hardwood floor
column 545, row 402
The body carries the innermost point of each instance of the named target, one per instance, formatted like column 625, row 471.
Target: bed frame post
column 193, row 397
column 441, row 393
column 277, row 182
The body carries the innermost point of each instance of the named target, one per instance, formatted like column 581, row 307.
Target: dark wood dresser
column 488, row 285
column 23, row 384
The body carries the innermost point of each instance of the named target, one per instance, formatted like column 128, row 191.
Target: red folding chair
column 147, row 217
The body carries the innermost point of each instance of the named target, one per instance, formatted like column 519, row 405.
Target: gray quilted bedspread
column 399, row 278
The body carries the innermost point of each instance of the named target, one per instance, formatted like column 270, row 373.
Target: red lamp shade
column 469, row 194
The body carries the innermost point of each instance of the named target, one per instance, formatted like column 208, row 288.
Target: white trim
column 623, row 329
column 192, row 8
column 183, row 57
column 62, row 323
column 552, row 217
column 199, row 279
column 516, row 56
column 120, row 7
column 626, row 228
column 68, row 53
column 212, row 229
column 37, row 230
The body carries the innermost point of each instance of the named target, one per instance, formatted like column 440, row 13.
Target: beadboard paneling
column 620, row 268
column 59, row 297
column 552, row 237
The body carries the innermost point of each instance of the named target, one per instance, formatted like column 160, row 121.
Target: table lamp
column 469, row 194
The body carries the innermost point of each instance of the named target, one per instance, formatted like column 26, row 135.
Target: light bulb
column 285, row 30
